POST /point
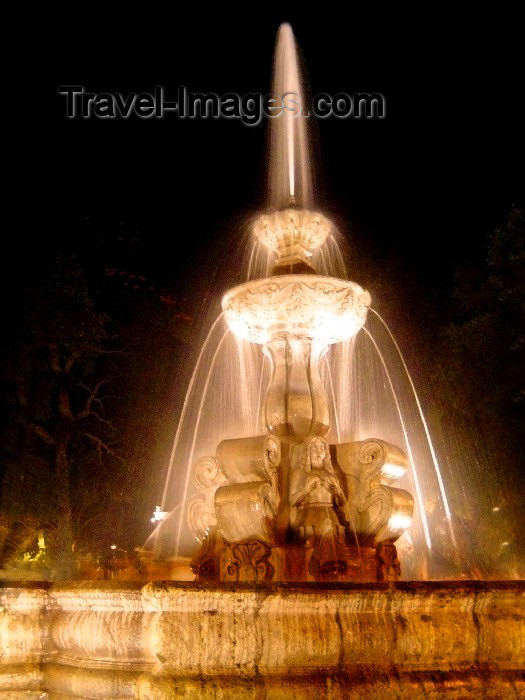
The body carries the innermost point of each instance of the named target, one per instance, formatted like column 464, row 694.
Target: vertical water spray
column 290, row 172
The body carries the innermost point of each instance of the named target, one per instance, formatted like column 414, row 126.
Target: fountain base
column 275, row 511
column 331, row 640
column 255, row 561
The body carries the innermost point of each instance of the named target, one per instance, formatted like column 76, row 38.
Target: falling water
column 408, row 446
column 184, row 410
column 427, row 432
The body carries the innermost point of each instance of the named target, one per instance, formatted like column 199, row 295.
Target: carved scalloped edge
column 308, row 305
column 309, row 228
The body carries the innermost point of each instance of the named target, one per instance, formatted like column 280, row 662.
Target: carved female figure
column 316, row 493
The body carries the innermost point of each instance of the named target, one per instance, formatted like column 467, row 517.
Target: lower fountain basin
column 172, row 639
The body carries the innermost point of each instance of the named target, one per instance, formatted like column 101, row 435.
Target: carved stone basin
column 313, row 306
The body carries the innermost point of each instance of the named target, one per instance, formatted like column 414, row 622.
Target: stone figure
column 315, row 493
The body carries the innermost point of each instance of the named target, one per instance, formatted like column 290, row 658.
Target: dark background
column 429, row 181
column 146, row 202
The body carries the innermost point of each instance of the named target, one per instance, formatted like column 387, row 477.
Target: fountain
column 289, row 506
column 296, row 589
column 284, row 503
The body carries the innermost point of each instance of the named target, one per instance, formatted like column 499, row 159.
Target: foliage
column 482, row 358
column 485, row 344
column 60, row 440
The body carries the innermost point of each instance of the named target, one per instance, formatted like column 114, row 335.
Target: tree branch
column 64, row 404
column 41, row 432
column 102, row 446
column 91, row 398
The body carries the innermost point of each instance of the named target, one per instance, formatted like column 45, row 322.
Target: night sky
column 425, row 184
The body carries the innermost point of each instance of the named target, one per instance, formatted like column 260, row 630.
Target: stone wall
column 177, row 639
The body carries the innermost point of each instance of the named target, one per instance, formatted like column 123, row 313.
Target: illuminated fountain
column 283, row 503
column 289, row 506
column 293, row 326
column 297, row 592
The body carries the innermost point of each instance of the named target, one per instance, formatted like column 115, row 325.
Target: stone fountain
column 286, row 505
column 296, row 592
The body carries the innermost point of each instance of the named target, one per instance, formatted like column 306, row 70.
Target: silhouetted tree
column 482, row 358
column 485, row 343
column 57, row 378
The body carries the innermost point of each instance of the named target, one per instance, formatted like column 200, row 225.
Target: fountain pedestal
column 303, row 512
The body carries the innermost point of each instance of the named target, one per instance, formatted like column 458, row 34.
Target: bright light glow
column 113, row 546
column 158, row 514
column 392, row 471
column 399, row 522
column 496, row 509
column 505, row 544
column 310, row 306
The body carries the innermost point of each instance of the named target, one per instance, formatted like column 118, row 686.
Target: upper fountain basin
column 314, row 306
column 292, row 232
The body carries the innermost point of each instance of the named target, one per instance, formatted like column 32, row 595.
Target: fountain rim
column 294, row 277
column 280, row 306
